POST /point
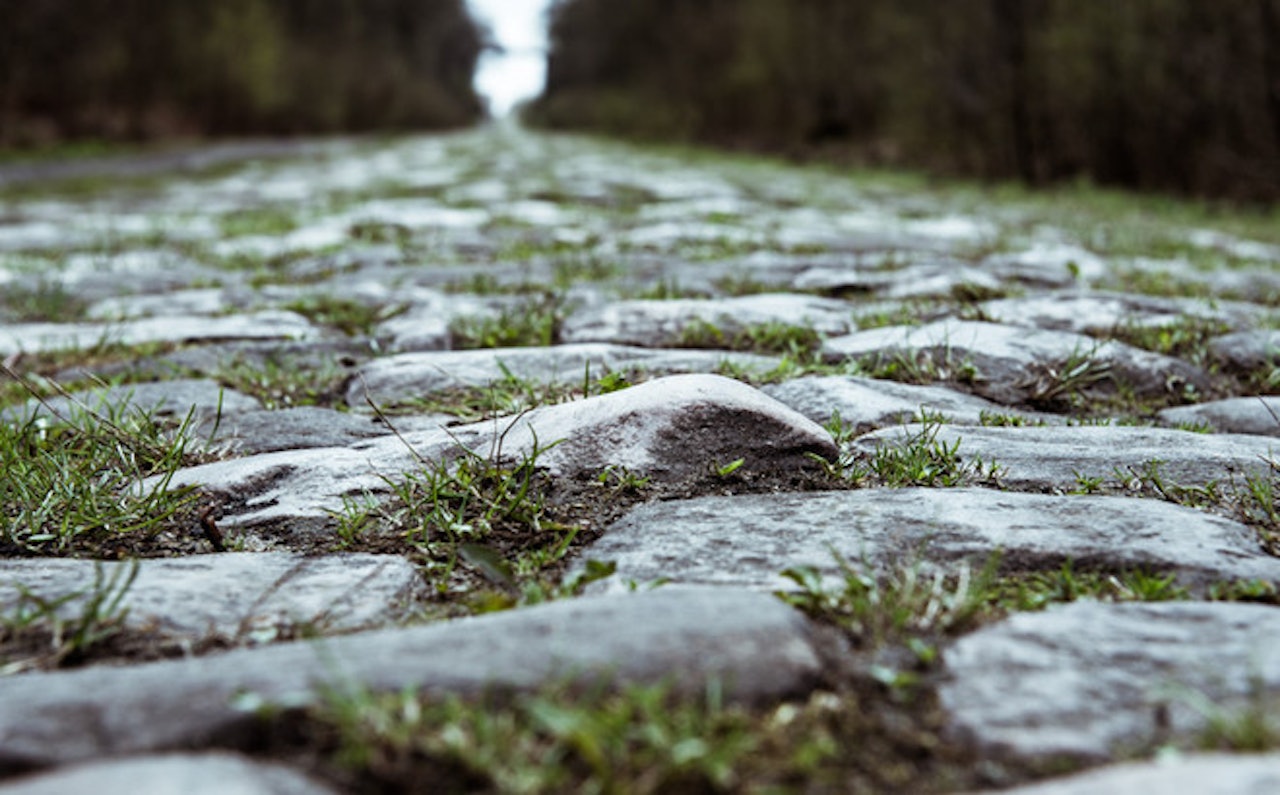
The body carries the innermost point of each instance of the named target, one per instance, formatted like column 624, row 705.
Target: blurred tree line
column 1171, row 95
column 149, row 68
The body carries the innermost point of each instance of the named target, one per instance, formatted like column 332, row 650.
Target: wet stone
column 657, row 324
column 759, row 649
column 240, row 597
column 1060, row 458
column 1203, row 774
column 1014, row 365
column 169, row 774
column 749, row 540
column 1098, row 681
column 1256, row 415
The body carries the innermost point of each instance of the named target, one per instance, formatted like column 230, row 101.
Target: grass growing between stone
column 918, row 459
column 532, row 324
column 800, row 342
column 47, row 301
column 482, row 528
column 634, row 740
column 86, row 479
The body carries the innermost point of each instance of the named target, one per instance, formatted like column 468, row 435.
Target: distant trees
column 1177, row 95
column 145, row 68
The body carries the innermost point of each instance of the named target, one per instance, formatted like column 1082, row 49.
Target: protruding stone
column 672, row 428
column 754, row 646
column 1013, row 365
column 397, row 379
column 669, row 428
column 748, row 540
column 1100, row 681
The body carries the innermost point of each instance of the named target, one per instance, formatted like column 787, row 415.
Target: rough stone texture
column 170, row 774
column 1247, row 351
column 41, row 337
column 865, row 404
column 1203, row 774
column 1016, row 365
column 656, row 324
column 668, row 428
column 317, row 358
column 672, row 428
column 749, row 540
column 1099, row 680
column 396, row 379
column 1256, row 415
column 1102, row 313
column 171, row 400
column 759, row 648
column 1049, row 458
column 237, row 596
column 298, row 428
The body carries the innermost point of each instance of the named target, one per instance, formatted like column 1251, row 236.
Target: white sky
column 520, row 27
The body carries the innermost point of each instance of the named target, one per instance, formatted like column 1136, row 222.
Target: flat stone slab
column 45, row 337
column 397, row 379
column 1256, row 415
column 1099, row 681
column 937, row 278
column 1018, row 365
column 758, row 648
column 172, row 400
column 236, row 596
column 1203, row 774
column 865, row 404
column 1055, row 458
column 1049, row 264
column 662, row 324
column 297, row 428
column 214, row 773
column 1247, row 351
column 749, row 540
column 669, row 429
column 1102, row 313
